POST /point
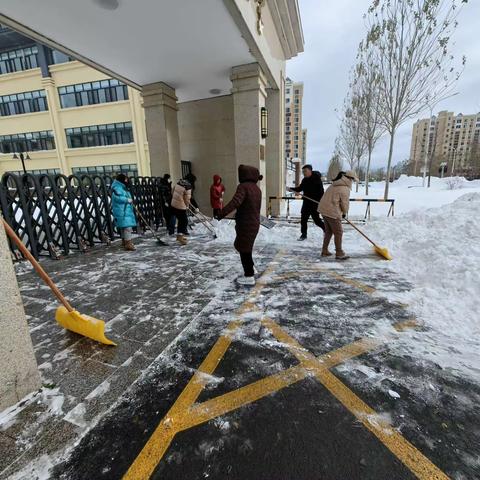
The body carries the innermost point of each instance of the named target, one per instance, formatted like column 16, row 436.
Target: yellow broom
column 66, row 316
column 382, row 251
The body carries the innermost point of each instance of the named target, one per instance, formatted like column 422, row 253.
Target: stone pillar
column 249, row 95
column 275, row 148
column 59, row 132
column 18, row 368
column 160, row 104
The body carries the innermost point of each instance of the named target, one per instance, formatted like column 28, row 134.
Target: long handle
column 360, row 232
column 142, row 218
column 205, row 221
column 348, row 221
column 43, row 274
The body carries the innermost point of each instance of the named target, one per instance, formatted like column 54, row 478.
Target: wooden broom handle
column 348, row 221
column 43, row 274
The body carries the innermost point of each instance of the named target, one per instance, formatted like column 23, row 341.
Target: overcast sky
column 332, row 32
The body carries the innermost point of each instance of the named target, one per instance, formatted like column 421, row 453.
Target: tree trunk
column 367, row 172
column 358, row 175
column 389, row 164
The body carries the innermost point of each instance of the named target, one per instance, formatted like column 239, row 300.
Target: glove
column 344, row 215
column 196, row 210
column 130, row 200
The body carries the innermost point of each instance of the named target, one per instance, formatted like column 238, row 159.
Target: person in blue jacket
column 122, row 210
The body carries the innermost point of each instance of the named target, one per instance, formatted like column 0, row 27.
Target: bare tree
column 334, row 166
column 408, row 41
column 365, row 100
column 351, row 141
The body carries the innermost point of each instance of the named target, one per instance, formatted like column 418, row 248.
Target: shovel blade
column 83, row 325
column 383, row 252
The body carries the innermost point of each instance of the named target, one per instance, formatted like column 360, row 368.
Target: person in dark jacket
column 217, row 189
column 166, row 193
column 122, row 210
column 312, row 187
column 247, row 202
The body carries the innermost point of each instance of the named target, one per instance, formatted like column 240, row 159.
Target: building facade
column 66, row 116
column 446, row 140
column 304, row 146
column 294, row 152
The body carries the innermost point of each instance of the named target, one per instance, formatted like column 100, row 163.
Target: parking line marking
column 156, row 446
column 418, row 463
column 185, row 414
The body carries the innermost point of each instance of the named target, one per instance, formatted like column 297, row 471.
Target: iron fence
column 57, row 214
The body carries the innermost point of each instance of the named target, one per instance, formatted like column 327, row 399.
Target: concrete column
column 160, row 104
column 249, row 96
column 58, row 130
column 275, row 148
column 18, row 368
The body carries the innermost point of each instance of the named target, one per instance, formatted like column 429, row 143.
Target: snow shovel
column 382, row 251
column 65, row 315
column 204, row 220
column 157, row 237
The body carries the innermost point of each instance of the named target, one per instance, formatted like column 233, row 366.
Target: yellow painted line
column 156, row 446
column 415, row 461
column 238, row 398
column 418, row 463
column 409, row 324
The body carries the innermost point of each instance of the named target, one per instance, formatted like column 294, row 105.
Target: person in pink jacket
column 333, row 207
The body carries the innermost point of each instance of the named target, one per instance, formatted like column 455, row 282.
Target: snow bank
column 438, row 251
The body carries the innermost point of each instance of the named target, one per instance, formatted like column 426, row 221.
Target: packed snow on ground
column 434, row 239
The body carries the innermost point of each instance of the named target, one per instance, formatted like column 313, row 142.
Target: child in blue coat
column 122, row 210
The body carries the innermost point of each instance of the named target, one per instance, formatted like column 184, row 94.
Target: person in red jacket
column 247, row 202
column 216, row 195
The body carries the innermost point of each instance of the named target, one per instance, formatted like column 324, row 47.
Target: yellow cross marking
column 186, row 413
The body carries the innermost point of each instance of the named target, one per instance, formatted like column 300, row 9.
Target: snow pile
column 438, row 251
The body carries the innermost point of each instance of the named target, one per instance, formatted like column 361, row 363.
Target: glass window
column 27, row 142
column 92, row 93
column 99, row 135
column 129, row 169
column 18, row 60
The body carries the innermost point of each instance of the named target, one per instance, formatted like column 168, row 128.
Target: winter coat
column 122, row 209
column 247, row 202
column 182, row 193
column 165, row 188
column 216, row 192
column 311, row 187
column 336, row 200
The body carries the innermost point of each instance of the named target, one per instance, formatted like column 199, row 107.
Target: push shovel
column 65, row 315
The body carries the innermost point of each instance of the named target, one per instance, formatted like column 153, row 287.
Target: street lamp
column 22, row 158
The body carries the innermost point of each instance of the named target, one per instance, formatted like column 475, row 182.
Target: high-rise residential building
column 304, row 146
column 452, row 141
column 294, row 154
column 67, row 116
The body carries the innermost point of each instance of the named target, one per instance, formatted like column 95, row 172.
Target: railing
column 55, row 214
column 391, row 210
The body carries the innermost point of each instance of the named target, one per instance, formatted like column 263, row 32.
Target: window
column 20, row 103
column 18, row 60
column 27, row 142
column 129, row 169
column 91, row 93
column 288, row 90
column 297, row 91
column 48, row 171
column 99, row 135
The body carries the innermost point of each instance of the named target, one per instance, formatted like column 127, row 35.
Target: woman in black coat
column 247, row 202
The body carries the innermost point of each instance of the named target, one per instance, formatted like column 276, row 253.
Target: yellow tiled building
column 66, row 116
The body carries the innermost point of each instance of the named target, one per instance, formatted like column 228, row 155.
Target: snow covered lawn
column 434, row 239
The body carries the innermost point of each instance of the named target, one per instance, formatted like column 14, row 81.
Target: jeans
column 310, row 209
column 126, row 233
column 333, row 227
column 247, row 263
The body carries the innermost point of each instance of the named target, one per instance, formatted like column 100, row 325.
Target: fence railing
column 57, row 214
column 369, row 201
